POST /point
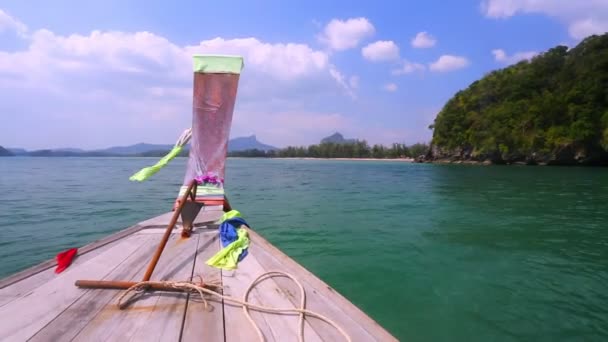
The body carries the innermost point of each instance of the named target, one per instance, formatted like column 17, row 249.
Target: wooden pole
column 123, row 285
column 227, row 206
column 163, row 242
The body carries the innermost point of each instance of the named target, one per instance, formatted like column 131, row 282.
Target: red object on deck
column 64, row 259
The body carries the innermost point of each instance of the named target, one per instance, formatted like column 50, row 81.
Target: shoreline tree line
column 355, row 149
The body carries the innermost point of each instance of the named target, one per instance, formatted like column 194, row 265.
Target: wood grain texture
column 24, row 287
column 72, row 320
column 321, row 297
column 154, row 316
column 81, row 252
column 159, row 221
column 23, row 318
column 237, row 327
column 268, row 293
column 42, row 306
column 206, row 214
column 205, row 323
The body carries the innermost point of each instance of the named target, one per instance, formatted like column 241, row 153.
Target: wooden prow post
column 227, row 206
column 216, row 81
column 189, row 213
column 123, row 285
column 159, row 250
column 191, row 191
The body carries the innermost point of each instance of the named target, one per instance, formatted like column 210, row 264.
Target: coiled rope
column 205, row 288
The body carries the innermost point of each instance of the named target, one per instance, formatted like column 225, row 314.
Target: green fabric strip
column 209, row 190
column 203, row 190
column 230, row 215
column 209, row 64
column 146, row 172
column 228, row 257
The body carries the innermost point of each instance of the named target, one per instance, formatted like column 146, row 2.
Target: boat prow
column 39, row 305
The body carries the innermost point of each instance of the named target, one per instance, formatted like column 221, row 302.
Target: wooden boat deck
column 39, row 305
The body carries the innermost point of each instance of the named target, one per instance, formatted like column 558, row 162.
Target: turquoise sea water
column 432, row 252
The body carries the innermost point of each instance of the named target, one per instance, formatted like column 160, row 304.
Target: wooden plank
column 156, row 231
column 24, row 287
column 236, row 325
column 208, row 217
column 23, row 318
column 201, row 229
column 200, row 323
column 205, row 220
column 155, row 315
column 321, row 297
column 189, row 213
column 71, row 321
column 158, row 221
column 275, row 327
column 83, row 250
column 6, row 299
column 207, row 213
column 284, row 327
column 291, row 291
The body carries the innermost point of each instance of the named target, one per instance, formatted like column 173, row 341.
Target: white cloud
column 449, row 63
column 282, row 61
column 142, row 82
column 423, row 40
column 341, row 79
column 586, row 27
column 583, row 18
column 408, row 68
column 144, row 52
column 382, row 50
column 8, row 23
column 346, row 34
column 353, row 81
column 392, row 87
column 501, row 56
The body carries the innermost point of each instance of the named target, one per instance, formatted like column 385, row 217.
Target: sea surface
column 432, row 252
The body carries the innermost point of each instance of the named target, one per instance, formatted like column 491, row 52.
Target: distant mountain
column 337, row 138
column 5, row 153
column 66, row 153
column 248, row 143
column 69, row 150
column 135, row 149
column 17, row 151
column 141, row 149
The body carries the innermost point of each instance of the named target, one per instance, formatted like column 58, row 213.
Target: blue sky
column 97, row 74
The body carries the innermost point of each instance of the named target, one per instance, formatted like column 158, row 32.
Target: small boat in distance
column 196, row 273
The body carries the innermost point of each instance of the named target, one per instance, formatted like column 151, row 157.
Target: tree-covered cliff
column 552, row 109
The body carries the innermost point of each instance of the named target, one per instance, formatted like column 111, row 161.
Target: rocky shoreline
column 565, row 156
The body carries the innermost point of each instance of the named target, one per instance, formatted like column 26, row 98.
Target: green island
column 550, row 110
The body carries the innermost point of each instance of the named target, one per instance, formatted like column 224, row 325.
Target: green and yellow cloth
column 234, row 239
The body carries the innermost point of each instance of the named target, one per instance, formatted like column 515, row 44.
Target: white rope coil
column 244, row 303
column 184, row 138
